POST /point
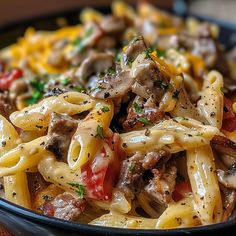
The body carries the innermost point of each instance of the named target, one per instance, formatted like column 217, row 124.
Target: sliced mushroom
column 93, row 64
column 224, row 145
column 228, row 178
column 113, row 86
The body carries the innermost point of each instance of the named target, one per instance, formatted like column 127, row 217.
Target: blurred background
column 12, row 11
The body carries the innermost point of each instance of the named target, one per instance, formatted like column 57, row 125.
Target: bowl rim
column 87, row 228
column 15, row 209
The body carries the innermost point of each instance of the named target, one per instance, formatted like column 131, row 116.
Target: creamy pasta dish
column 124, row 120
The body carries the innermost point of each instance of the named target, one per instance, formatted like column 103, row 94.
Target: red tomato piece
column 7, row 78
column 181, row 190
column 99, row 176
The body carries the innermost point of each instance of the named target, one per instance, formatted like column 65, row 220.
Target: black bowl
column 20, row 221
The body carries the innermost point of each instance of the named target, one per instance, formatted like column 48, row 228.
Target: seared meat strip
column 93, row 64
column 224, row 145
column 130, row 175
column 133, row 168
column 139, row 110
column 228, row 200
column 61, row 130
column 161, row 187
column 228, row 178
column 143, row 78
column 64, row 206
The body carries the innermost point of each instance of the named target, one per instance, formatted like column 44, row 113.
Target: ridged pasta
column 204, row 183
column 37, row 116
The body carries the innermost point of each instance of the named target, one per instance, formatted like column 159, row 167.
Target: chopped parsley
column 222, row 90
column 132, row 168
column 118, row 56
column 80, row 43
column 147, row 52
column 99, row 132
column 145, row 121
column 105, row 109
column 37, row 91
column 111, row 71
column 199, row 134
column 135, row 39
column 175, row 94
column 182, row 118
column 66, row 81
column 79, row 189
column 129, row 61
column 138, row 108
column 163, row 85
column 161, row 53
column 79, row 89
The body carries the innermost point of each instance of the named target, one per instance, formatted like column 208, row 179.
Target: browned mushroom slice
column 93, row 64
column 113, row 24
column 224, row 145
column 113, row 86
column 228, row 178
column 228, row 200
column 136, row 47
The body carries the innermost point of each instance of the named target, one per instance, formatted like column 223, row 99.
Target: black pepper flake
column 147, row 132
column 39, row 126
column 4, row 143
column 14, row 194
column 106, row 94
column 124, row 145
column 1, row 186
column 195, row 217
column 212, row 114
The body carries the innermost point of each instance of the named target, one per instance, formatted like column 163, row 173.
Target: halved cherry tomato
column 229, row 117
column 99, row 176
column 7, row 78
column 182, row 189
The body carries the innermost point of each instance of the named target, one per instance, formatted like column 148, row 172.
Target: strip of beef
column 130, row 175
column 226, row 148
column 94, row 64
column 6, row 106
column 64, row 206
column 140, row 109
column 36, row 183
column 228, row 178
column 60, row 132
column 229, row 201
column 162, row 185
column 133, row 168
column 139, row 74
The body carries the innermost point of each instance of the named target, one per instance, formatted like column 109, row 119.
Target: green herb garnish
column 66, row 81
column 105, row 109
column 145, row 121
column 138, row 108
column 99, row 132
column 148, row 51
column 111, row 71
column 175, row 94
column 182, row 118
column 199, row 134
column 163, row 85
column 161, row 53
column 79, row 189
column 118, row 56
column 81, row 43
column 37, row 91
column 132, row 168
column 79, row 89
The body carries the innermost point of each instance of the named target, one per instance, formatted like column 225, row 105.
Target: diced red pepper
column 7, row 78
column 99, row 182
column 181, row 190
